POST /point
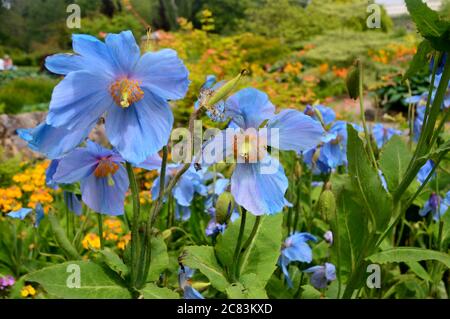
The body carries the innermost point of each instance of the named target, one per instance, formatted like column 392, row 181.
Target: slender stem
column 135, row 222
column 237, row 250
column 67, row 222
column 100, row 230
column 363, row 115
column 247, row 244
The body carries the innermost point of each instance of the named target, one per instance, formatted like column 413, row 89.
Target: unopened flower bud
column 224, row 207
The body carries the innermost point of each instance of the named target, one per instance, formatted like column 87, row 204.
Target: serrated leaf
column 419, row 60
column 96, row 282
column 204, row 259
column 114, row 262
column 409, row 254
column 160, row 258
column 394, row 160
column 366, row 182
column 152, row 291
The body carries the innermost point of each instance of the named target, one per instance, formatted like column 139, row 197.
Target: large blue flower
column 295, row 248
column 322, row 275
column 112, row 79
column 103, row 179
column 382, row 134
column 258, row 182
column 436, row 205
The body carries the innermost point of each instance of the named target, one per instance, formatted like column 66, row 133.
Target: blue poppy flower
column 258, row 182
column 190, row 183
column 184, row 276
column 322, row 275
column 383, row 134
column 424, row 171
column 112, row 79
column 295, row 248
column 103, row 179
column 436, row 205
column 53, row 142
column 328, row 114
column 334, row 152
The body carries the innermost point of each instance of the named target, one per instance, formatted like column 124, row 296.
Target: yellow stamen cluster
column 105, row 168
column 126, row 92
column 249, row 147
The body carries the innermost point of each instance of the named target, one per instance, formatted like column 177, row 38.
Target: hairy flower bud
column 224, row 207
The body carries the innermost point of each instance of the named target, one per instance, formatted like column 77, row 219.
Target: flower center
column 126, row 92
column 249, row 148
column 105, row 168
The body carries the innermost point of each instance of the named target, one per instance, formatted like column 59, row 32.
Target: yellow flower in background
column 123, row 242
column 9, row 199
column 113, row 225
column 91, row 241
column 28, row 291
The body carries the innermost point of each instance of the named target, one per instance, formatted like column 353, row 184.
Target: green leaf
column 309, row 292
column 366, row 182
column 152, row 291
column 429, row 24
column 409, row 254
column 204, row 259
column 249, row 287
column 160, row 258
column 114, row 262
column 419, row 270
column 261, row 256
column 60, row 235
column 420, row 59
column 96, row 282
column 394, row 160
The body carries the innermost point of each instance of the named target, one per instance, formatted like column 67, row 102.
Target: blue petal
column 221, row 185
column 79, row 100
column 426, row 209
column 124, row 50
column 191, row 293
column 141, row 129
column 76, row 166
column 328, row 115
column 164, row 74
column 53, row 142
column 184, row 191
column 249, row 108
column 20, row 214
column 424, row 171
column 64, row 63
column 51, row 170
column 153, row 162
column 104, row 198
column 73, row 203
column 259, row 193
column 95, row 53
column 300, row 252
column 182, row 212
column 330, row 271
column 39, row 214
column 296, row 131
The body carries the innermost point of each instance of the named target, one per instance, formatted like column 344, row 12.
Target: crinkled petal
column 141, row 129
column 249, row 108
column 53, row 142
column 104, row 198
column 163, row 73
column 257, row 192
column 296, row 131
column 79, row 100
column 124, row 50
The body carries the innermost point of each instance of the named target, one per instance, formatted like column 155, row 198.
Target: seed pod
column 352, row 81
column 224, row 91
column 224, row 207
column 327, row 204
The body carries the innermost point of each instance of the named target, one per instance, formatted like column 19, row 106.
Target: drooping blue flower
column 103, row 179
column 258, row 182
column 184, row 275
column 53, row 142
column 112, row 79
column 383, row 134
column 334, row 152
column 437, row 205
column 20, row 214
column 328, row 114
column 190, row 183
column 295, row 248
column 322, row 275
column 425, row 171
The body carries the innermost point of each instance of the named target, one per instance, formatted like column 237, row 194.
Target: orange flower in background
column 10, row 199
column 340, row 72
column 123, row 242
column 324, row 68
column 91, row 241
column 293, row 68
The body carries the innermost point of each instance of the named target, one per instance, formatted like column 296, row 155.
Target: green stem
column 247, row 244
column 363, row 115
column 100, row 230
column 237, row 250
column 135, row 223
